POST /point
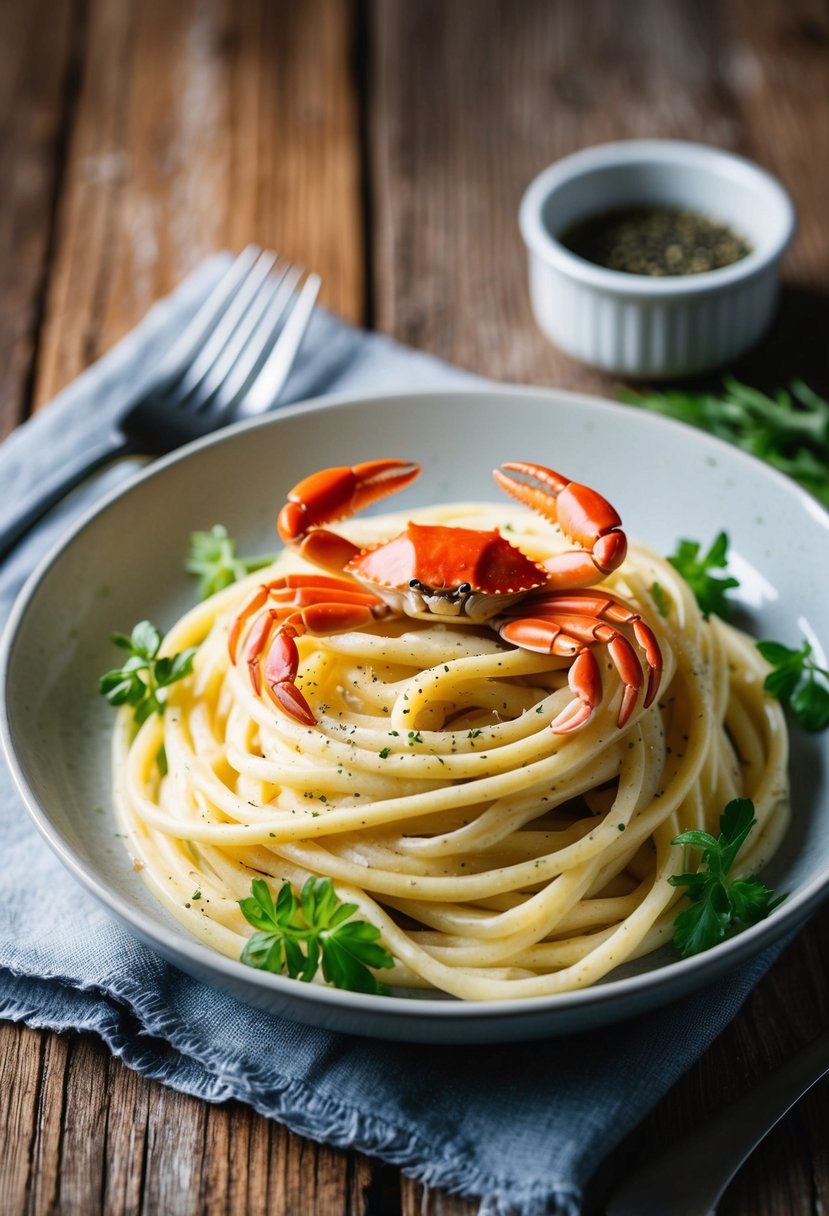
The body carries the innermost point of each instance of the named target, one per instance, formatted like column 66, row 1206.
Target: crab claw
column 281, row 668
column 273, row 634
column 586, row 682
column 583, row 515
column 336, row 493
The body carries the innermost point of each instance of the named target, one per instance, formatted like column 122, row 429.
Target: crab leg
column 305, row 603
column 277, row 633
column 585, row 682
column 297, row 590
column 334, row 494
column 583, row 515
column 606, row 608
column 571, row 635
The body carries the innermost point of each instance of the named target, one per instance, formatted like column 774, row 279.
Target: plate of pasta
column 406, row 749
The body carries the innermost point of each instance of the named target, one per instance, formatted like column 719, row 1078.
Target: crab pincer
column 583, row 515
column 332, row 495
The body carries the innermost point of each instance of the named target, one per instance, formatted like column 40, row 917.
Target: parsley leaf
column 798, row 683
column 214, row 560
column 719, row 903
column 298, row 935
column 708, row 588
column 143, row 676
column 789, row 430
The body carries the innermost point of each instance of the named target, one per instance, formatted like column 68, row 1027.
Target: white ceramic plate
column 124, row 563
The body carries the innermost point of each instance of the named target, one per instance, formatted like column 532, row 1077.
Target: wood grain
column 450, row 266
column 140, row 135
column 37, row 64
column 448, row 172
column 200, row 125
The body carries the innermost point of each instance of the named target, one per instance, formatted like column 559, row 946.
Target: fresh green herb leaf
column 384, row 753
column 719, row 903
column 414, row 737
column 473, row 734
column 296, row 936
column 213, row 559
column 798, row 682
column 143, row 676
column 789, row 430
column 708, row 588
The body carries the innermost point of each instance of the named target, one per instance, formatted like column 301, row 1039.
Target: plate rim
column 684, row 973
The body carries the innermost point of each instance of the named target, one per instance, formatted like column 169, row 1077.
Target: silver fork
column 231, row 362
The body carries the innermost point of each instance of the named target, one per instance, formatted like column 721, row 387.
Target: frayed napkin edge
column 292, row 1103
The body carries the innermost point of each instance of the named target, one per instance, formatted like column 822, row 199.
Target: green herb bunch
column 142, row 680
column 798, row 683
column 789, row 430
column 298, row 935
column 797, row 680
column 719, row 903
column 214, row 560
column 700, row 573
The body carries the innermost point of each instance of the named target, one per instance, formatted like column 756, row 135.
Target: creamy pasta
column 497, row 858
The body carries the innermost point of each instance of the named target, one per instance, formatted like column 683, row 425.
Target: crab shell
column 433, row 570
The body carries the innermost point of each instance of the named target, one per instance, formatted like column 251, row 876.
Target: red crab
column 450, row 573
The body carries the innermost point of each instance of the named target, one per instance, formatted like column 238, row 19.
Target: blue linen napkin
column 523, row 1127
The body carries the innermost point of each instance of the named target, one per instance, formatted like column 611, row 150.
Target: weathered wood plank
column 83, row 1164
column 129, row 1100
column 450, row 170
column 780, row 57
column 21, row 1061
column 37, row 59
column 44, row 1190
column 201, row 125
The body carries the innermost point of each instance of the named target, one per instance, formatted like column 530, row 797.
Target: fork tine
column 192, row 339
column 261, row 338
column 211, row 391
column 226, row 325
column 270, row 380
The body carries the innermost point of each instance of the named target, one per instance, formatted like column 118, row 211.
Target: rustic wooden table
column 385, row 144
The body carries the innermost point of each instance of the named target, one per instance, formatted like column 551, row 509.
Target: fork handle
column 22, row 515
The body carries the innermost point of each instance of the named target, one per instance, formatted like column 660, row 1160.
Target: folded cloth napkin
column 522, row 1127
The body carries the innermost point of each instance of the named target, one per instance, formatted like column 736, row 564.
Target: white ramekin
column 651, row 327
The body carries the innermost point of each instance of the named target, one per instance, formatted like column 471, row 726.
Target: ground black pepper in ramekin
column 655, row 240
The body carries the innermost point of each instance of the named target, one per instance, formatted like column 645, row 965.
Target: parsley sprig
column 700, row 574
column 798, row 683
column 144, row 676
column 296, row 935
column 789, row 430
column 214, row 560
column 719, row 903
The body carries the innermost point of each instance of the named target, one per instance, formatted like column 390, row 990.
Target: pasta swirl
column 497, row 858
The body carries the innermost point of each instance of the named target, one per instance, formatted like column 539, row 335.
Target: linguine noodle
column 498, row 859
